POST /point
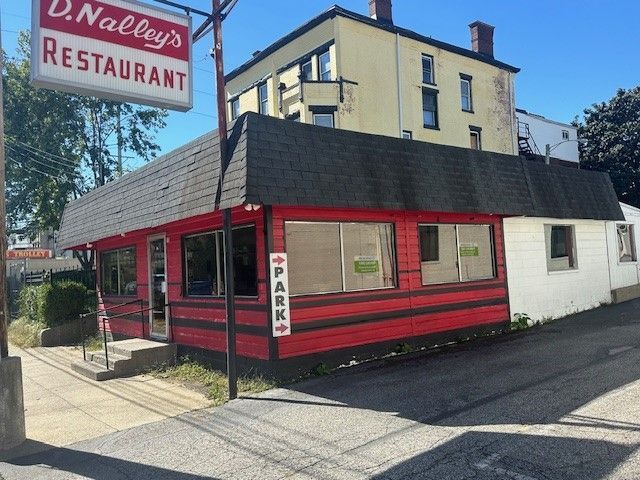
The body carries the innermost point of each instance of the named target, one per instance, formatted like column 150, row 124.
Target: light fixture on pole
column 550, row 148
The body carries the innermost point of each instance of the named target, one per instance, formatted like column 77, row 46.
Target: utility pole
column 226, row 214
column 12, row 420
column 4, row 340
column 119, row 128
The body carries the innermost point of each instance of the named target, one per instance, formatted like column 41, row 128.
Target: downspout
column 606, row 236
column 399, row 80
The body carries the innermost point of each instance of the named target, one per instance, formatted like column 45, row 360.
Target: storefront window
column 204, row 263
column 456, row 253
column 119, row 272
column 339, row 257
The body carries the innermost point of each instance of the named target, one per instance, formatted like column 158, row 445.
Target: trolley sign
column 281, row 320
column 121, row 50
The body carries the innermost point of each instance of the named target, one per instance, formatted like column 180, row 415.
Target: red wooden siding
column 327, row 322
column 320, row 323
column 197, row 322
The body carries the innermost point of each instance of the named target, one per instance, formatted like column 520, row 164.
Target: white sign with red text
column 281, row 320
column 121, row 50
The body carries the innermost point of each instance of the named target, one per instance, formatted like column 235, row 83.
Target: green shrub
column 29, row 301
column 61, row 302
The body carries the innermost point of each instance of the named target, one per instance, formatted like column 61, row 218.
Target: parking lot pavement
column 557, row 402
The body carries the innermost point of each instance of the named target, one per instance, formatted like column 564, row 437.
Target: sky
column 572, row 53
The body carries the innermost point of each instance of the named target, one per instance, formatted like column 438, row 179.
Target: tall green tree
column 611, row 131
column 60, row 146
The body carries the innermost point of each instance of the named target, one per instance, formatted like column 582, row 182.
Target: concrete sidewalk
column 63, row 407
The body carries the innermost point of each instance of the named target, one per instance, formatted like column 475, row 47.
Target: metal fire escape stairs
column 526, row 144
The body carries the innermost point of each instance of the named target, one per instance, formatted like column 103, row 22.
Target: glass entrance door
column 158, row 289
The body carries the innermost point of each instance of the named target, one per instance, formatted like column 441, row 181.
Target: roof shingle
column 279, row 162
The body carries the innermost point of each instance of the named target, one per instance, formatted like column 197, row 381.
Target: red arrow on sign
column 281, row 328
column 279, row 260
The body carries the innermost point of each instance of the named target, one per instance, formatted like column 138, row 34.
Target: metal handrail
column 102, row 312
column 141, row 311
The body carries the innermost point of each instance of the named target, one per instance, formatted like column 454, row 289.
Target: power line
column 64, row 165
column 33, row 169
column 48, row 154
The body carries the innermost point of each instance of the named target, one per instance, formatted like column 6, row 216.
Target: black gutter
column 335, row 11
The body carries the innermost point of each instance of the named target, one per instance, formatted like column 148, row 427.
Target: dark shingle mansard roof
column 279, row 162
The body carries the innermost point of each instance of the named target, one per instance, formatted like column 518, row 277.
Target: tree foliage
column 60, row 146
column 611, row 131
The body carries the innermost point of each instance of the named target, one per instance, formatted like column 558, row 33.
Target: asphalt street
column 561, row 401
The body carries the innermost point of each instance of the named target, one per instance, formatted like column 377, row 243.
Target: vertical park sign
column 121, row 50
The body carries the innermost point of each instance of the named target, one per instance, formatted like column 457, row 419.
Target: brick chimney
column 381, row 10
column 482, row 38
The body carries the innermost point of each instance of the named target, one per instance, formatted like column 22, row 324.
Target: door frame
column 152, row 238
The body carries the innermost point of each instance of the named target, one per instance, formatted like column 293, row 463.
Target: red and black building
column 389, row 241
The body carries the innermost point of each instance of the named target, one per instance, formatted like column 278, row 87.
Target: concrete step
column 100, row 359
column 145, row 352
column 127, row 358
column 93, row 371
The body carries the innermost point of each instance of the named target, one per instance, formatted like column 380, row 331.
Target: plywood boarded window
column 326, row 257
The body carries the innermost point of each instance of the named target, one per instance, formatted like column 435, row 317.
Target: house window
column 407, row 134
column 427, row 69
column 465, row 93
column 204, row 263
column 235, row 108
column 263, row 99
column 430, row 108
column 119, row 272
column 475, row 141
column 565, row 135
column 324, row 66
column 306, row 71
column 626, row 243
column 456, row 253
column 331, row 257
column 323, row 119
column 560, row 247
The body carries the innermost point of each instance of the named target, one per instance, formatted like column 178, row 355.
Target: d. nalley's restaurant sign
column 122, row 50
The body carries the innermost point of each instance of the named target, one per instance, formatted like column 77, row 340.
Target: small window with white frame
column 407, row 134
column 324, row 66
column 565, row 134
column 263, row 98
column 306, row 71
column 235, row 108
column 466, row 100
column 560, row 241
column 428, row 76
column 323, row 120
column 626, row 243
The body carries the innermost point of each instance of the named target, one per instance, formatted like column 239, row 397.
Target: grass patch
column 213, row 383
column 93, row 343
column 24, row 334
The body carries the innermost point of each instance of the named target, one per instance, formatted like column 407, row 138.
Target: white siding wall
column 546, row 131
column 543, row 295
column 623, row 274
